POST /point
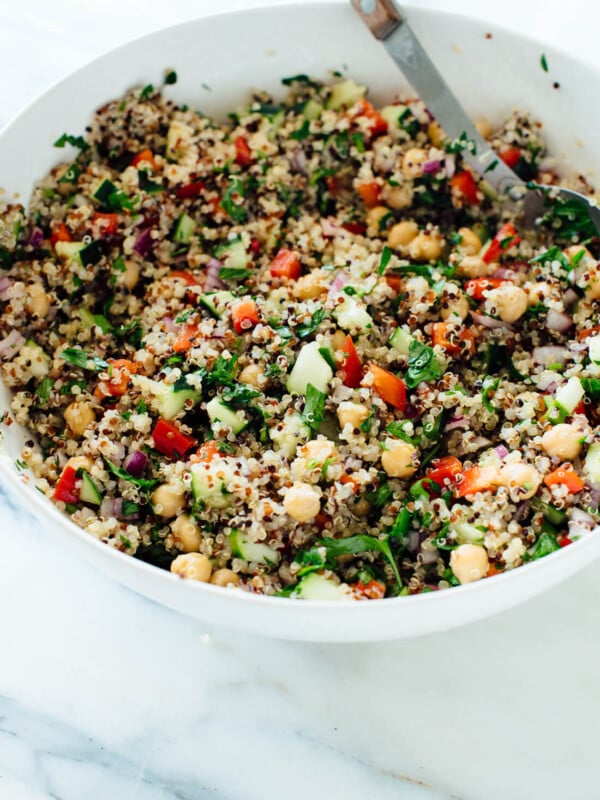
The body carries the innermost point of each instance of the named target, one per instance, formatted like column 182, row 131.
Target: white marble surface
column 106, row 695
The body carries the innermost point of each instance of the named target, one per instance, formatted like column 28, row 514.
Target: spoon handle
column 388, row 23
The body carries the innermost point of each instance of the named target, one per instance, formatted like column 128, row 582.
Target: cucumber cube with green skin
column 233, row 254
column 216, row 302
column 69, row 250
column 345, row 94
column 104, row 191
column 210, row 487
column 310, row 367
column 400, row 340
column 391, row 115
column 465, row 533
column 591, row 465
column 312, row 110
column 566, row 400
column 218, row 411
column 88, row 491
column 291, row 432
column 164, row 398
column 353, row 317
column 184, row 229
column 252, row 551
column 319, row 587
column 39, row 361
column 594, row 349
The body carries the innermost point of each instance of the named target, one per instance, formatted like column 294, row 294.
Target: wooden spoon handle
column 380, row 16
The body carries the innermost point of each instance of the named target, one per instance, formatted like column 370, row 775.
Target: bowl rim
column 24, row 483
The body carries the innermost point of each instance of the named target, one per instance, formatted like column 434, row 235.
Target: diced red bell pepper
column 254, row 247
column 505, row 238
column 377, row 124
column 66, row 488
column 369, row 193
column 107, row 223
column 566, row 476
column 244, row 315
column 389, row 387
column 564, row 541
column 462, row 342
column 120, row 371
column 373, row 590
column 206, row 452
column 184, row 275
column 477, row 286
column 351, row 480
column 190, row 190
column 286, row 264
column 60, row 233
column 510, row 155
column 145, row 157
column 464, row 185
column 243, row 153
column 477, row 479
column 188, row 336
column 445, row 470
column 170, row 441
column 351, row 369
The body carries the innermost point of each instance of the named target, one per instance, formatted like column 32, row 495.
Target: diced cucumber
column 104, row 191
column 39, row 361
column 89, row 492
column 400, row 340
column 391, row 115
column 184, row 229
column 289, row 434
column 353, row 317
column 219, row 412
column 594, row 349
column 86, row 254
column 327, row 354
column 310, row 367
column 569, row 395
column 179, row 137
column 252, row 551
column 555, row 516
column 87, row 317
column 233, row 254
column 319, row 587
column 210, row 487
column 465, row 533
column 591, row 465
column 345, row 94
column 312, row 109
column 163, row 397
column 216, row 302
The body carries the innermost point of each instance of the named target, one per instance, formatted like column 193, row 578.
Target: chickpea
column 351, row 414
column 436, row 133
column 317, row 451
column 522, row 477
column 186, row 533
column 39, row 302
column 374, row 217
column 469, row 562
column 473, row 267
column 398, row 197
column 131, row 275
column 81, row 462
column 399, row 458
column 78, row 416
column 225, row 577
column 252, row 375
column 310, row 286
column 167, row 499
column 454, row 303
column 426, row 246
column 484, row 127
column 592, row 287
column 562, row 441
column 412, row 162
column 193, row 566
column 361, row 507
column 470, row 243
column 302, row 502
column 537, row 292
column 338, row 340
column 510, row 302
column 401, row 234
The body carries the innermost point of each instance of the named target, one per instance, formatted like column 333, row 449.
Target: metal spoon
column 388, row 24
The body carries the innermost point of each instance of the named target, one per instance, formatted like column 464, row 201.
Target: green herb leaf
column 44, row 388
column 146, row 185
column 147, row 92
column 553, row 254
column 301, row 79
column 70, row 175
column 488, row 390
column 170, row 77
column 361, row 543
column 79, row 358
column 359, row 141
column 498, row 360
column 303, row 132
column 397, row 429
column 118, row 472
column 545, row 545
column 386, row 255
column 423, row 365
column 591, row 386
column 75, row 141
column 401, row 525
column 544, row 62
column 234, row 273
column 380, row 496
column 314, row 407
column 234, row 191
column 308, row 328
column 239, row 394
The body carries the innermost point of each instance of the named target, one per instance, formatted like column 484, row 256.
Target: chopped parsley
column 544, row 62
column 423, row 365
column 75, row 141
column 314, row 407
column 79, row 358
column 386, row 255
column 235, row 190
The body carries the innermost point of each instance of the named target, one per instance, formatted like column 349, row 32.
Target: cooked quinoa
column 304, row 352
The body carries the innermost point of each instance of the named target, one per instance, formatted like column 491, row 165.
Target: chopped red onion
column 107, row 508
column 547, row 384
column 501, row 451
column 218, row 333
column 11, row 344
column 558, row 321
column 479, row 442
column 212, row 282
column 6, row 284
column 570, row 297
column 432, row 166
column 143, row 244
column 457, row 422
column 450, row 164
column 550, row 354
column 505, row 273
column 135, row 463
column 522, row 510
column 340, row 280
column 169, row 325
column 36, row 237
column 581, row 523
column 298, row 161
column 488, row 322
column 429, row 556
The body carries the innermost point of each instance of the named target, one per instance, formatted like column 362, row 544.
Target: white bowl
column 218, row 60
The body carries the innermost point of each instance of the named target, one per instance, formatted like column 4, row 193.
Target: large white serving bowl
column 218, row 60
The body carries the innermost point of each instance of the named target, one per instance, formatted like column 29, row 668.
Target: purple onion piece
column 457, row 422
column 36, row 237
column 144, row 242
column 488, row 322
column 298, row 161
column 522, row 511
column 558, row 321
column 135, row 463
column 505, row 273
column 11, row 344
column 6, row 285
column 432, row 166
column 337, row 285
column 570, row 297
column 450, row 164
column 501, row 451
column 170, row 325
column 212, row 281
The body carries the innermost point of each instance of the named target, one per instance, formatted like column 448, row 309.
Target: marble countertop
column 104, row 694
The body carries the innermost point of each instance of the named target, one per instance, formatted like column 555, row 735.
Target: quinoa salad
column 304, row 352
